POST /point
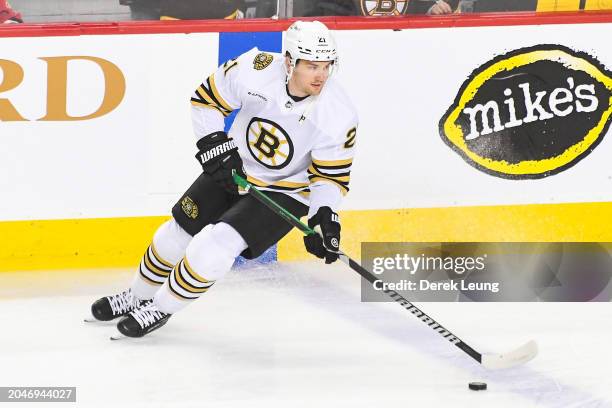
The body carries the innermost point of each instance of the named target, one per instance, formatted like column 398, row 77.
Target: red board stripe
column 338, row 23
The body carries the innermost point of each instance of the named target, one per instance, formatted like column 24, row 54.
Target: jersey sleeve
column 206, row 121
column 215, row 99
column 330, row 170
column 331, row 162
column 221, row 90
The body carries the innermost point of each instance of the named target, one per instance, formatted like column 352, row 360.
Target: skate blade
column 93, row 320
column 117, row 336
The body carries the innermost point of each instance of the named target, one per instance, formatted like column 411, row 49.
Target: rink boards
column 97, row 142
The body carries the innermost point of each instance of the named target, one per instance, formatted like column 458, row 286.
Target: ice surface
column 296, row 335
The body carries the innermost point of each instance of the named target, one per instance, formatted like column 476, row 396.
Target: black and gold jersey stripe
column 333, row 164
column 208, row 95
column 335, row 171
column 280, row 186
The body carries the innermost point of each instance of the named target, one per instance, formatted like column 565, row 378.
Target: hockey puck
column 477, row 386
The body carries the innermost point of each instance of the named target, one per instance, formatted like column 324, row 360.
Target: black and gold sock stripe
column 207, row 95
column 153, row 268
column 185, row 284
column 336, row 171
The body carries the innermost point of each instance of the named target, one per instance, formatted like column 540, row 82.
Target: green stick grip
column 293, row 220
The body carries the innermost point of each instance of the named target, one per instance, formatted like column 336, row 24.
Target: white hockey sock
column 166, row 250
column 208, row 257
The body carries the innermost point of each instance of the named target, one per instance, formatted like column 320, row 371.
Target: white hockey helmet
column 310, row 41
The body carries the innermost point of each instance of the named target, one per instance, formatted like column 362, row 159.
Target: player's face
column 309, row 77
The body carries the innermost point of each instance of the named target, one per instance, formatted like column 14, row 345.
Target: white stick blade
column 513, row 358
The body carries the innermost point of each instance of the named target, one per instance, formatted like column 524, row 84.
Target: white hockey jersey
column 286, row 146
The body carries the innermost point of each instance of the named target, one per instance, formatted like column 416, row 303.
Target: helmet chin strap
column 290, row 71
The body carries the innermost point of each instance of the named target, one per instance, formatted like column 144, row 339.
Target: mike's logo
column 530, row 113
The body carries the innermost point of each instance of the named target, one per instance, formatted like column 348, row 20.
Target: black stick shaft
column 367, row 275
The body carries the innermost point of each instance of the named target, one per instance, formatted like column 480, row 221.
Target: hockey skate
column 111, row 307
column 141, row 321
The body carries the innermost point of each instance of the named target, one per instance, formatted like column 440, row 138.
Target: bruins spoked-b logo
column 269, row 144
column 383, row 7
column 262, row 60
column 530, row 113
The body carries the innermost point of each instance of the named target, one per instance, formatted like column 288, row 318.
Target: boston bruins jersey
column 286, row 145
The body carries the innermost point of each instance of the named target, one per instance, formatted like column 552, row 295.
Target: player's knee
column 212, row 252
column 170, row 241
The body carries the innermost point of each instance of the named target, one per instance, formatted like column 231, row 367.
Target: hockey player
column 294, row 138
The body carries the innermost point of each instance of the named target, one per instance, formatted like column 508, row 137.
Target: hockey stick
column 513, row 358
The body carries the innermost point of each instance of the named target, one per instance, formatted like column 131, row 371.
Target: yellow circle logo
column 530, row 113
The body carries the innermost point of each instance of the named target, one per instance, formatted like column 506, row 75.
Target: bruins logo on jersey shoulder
column 262, row 61
column 269, row 143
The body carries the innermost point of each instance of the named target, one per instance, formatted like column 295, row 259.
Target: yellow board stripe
column 579, row 222
column 78, row 243
column 118, row 242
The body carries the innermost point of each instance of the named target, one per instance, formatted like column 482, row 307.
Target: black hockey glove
column 218, row 156
column 329, row 223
